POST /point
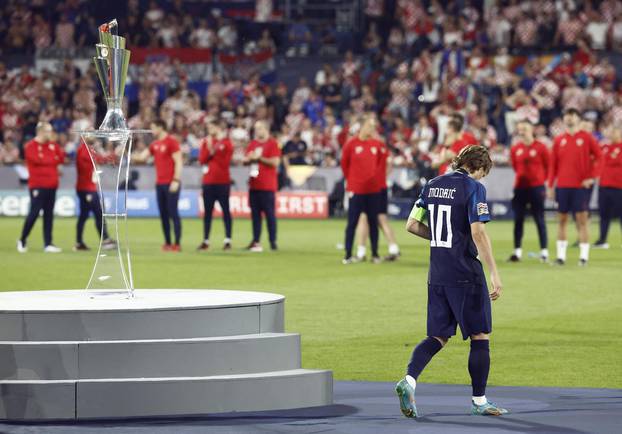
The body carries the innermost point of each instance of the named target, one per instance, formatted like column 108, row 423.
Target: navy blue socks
column 422, row 355
column 479, row 365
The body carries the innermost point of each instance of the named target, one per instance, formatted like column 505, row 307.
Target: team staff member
column 610, row 185
column 575, row 162
column 383, row 205
column 456, row 210
column 43, row 158
column 530, row 160
column 215, row 156
column 361, row 161
column 86, row 189
column 168, row 163
column 454, row 143
column 263, row 155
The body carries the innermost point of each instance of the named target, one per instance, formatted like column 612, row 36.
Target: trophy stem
column 112, row 273
column 114, row 119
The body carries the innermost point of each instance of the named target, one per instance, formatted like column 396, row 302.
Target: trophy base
column 166, row 352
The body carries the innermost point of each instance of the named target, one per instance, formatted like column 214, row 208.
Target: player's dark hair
column 458, row 119
column 159, row 122
column 455, row 125
column 472, row 158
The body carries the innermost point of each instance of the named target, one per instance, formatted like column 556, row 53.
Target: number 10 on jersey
column 438, row 219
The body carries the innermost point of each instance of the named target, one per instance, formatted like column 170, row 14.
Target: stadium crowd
column 419, row 62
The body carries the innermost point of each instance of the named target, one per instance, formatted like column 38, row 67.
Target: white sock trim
column 562, row 245
column 361, row 251
column 584, row 251
column 394, row 249
column 479, row 400
column 518, row 252
column 410, row 380
column 226, row 240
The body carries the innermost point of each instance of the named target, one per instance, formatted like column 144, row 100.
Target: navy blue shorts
column 467, row 306
column 383, row 201
column 610, row 202
column 573, row 199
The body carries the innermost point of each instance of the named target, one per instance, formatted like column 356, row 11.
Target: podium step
column 174, row 396
column 74, row 360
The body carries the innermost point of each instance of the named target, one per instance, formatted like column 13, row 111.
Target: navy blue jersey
column 452, row 202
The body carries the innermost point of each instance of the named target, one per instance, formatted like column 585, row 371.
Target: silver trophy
column 111, row 63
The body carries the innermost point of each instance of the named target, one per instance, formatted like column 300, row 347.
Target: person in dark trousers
column 361, row 161
column 452, row 213
column 168, row 164
column 263, row 156
column 530, row 161
column 86, row 189
column 610, row 185
column 215, row 157
column 43, row 158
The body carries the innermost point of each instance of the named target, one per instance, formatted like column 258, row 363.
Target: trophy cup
column 111, row 63
column 110, row 149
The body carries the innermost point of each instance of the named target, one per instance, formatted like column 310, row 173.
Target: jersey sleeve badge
column 482, row 208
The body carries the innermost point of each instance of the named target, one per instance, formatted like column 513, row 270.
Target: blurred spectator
column 295, row 150
column 422, row 135
column 227, row 36
column 402, row 89
column 9, row 152
column 65, row 32
column 298, row 38
column 596, row 31
column 314, row 108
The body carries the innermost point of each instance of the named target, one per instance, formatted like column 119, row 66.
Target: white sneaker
column 603, row 246
column 256, row 248
column 21, row 247
column 51, row 248
column 109, row 244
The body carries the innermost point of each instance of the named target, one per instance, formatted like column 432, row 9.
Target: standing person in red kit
column 530, row 161
column 575, row 162
column 263, row 155
column 86, row 189
column 610, row 185
column 360, row 162
column 383, row 207
column 168, row 164
column 215, row 157
column 43, row 158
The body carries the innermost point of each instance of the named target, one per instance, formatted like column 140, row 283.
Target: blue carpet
column 370, row 408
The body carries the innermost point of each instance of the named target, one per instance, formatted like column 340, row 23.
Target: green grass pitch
column 552, row 326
